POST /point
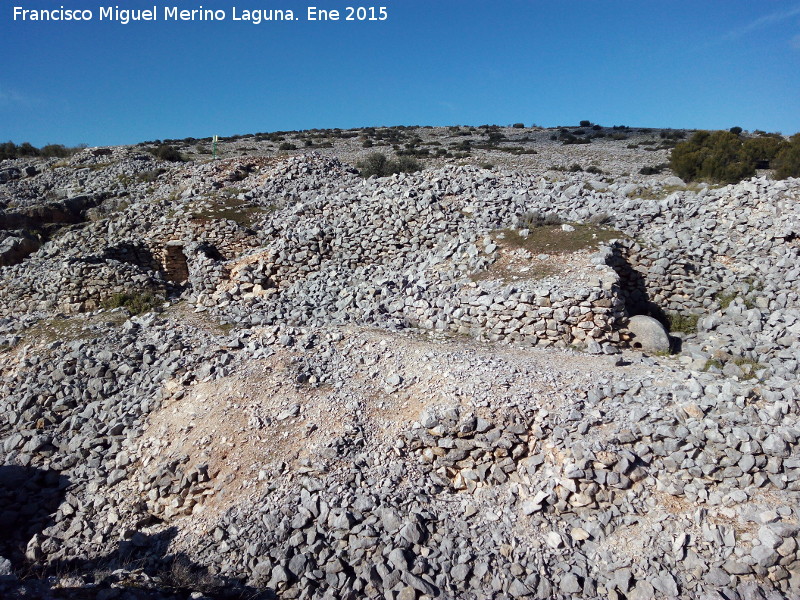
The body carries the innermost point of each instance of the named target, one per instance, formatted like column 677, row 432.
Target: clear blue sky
column 677, row 63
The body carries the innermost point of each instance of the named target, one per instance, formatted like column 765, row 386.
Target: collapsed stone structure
column 363, row 388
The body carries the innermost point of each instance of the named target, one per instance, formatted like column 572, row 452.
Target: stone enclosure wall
column 544, row 317
column 654, row 280
column 157, row 264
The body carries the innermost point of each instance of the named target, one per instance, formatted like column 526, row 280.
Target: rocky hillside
column 533, row 369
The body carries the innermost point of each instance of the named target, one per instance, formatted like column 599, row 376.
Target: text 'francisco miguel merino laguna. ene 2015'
column 164, row 13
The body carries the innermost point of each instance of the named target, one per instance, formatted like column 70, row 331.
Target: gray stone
column 665, row 584
column 419, row 584
column 518, row 589
column 764, row 555
column 5, row 567
column 570, row 584
column 649, row 334
column 399, row 560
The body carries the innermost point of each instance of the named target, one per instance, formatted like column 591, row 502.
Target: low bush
column 11, row 150
column 168, row 153
column 149, row 176
column 653, row 170
column 136, row 303
column 672, row 134
column 762, row 150
column 534, row 219
column 710, row 156
column 724, row 157
column 787, row 159
column 57, row 151
column 682, row 323
column 571, row 139
column 378, row 165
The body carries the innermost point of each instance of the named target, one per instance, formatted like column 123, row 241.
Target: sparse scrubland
column 402, row 363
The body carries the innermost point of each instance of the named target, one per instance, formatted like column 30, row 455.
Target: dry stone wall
column 54, row 280
column 543, row 317
column 75, row 286
column 654, row 280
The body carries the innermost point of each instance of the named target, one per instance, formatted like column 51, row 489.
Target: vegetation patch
column 69, row 328
column 748, row 366
column 725, row 157
column 530, row 258
column 682, row 322
column 10, row 150
column 136, row 303
column 168, row 153
column 230, row 208
column 659, row 193
column 378, row 165
column 553, row 239
column 509, row 270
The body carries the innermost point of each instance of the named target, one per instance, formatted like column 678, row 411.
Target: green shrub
column 405, row 164
column 287, row 146
column 518, row 125
column 377, row 164
column 168, row 153
column 493, row 137
column 571, row 139
column 149, row 176
column 725, row 299
column 672, row 134
column 724, row 157
column 716, row 156
column 585, row 123
column 653, row 170
column 682, row 323
column 57, row 151
column 761, row 151
column 12, row 150
column 787, row 159
column 735, row 130
column 136, row 303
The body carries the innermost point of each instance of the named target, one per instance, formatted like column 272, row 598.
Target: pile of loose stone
column 515, row 466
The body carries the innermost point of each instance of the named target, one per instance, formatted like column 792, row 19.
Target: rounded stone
column 648, row 334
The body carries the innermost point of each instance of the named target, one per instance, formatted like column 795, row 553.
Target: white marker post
column 216, row 138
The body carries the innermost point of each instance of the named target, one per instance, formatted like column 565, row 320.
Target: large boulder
column 7, row 175
column 16, row 247
column 648, row 334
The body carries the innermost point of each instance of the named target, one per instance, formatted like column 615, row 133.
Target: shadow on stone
column 633, row 288
column 29, row 497
column 143, row 567
column 134, row 254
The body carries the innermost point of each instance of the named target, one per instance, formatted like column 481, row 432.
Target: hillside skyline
column 709, row 65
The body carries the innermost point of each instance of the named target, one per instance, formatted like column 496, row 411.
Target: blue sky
column 695, row 64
